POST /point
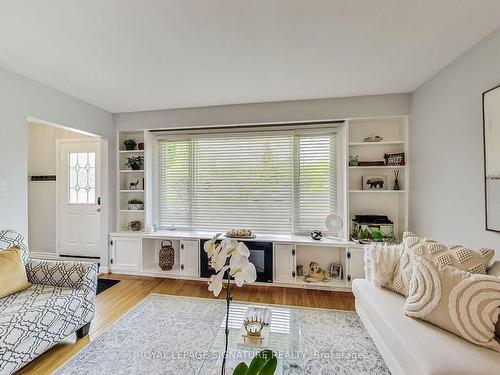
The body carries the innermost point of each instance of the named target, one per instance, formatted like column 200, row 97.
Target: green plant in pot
column 129, row 144
column 135, row 204
column 135, row 162
column 264, row 363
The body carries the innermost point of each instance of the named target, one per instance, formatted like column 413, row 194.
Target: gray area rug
column 171, row 335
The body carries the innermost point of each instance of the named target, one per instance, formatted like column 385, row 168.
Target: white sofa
column 411, row 346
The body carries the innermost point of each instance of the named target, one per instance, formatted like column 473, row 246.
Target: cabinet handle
column 293, row 252
column 182, row 267
column 182, row 246
column 293, row 273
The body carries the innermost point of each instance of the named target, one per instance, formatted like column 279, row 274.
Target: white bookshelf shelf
column 378, row 167
column 388, row 143
column 376, row 191
column 132, row 171
column 131, row 151
column 131, row 210
column 131, row 191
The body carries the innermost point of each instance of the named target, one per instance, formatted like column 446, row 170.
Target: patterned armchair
column 60, row 302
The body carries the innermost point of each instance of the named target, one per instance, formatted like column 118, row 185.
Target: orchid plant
column 229, row 258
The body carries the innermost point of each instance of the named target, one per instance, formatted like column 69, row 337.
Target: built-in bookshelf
column 387, row 201
column 131, row 182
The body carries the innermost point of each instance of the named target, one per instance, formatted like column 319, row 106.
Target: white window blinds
column 315, row 181
column 270, row 182
column 243, row 182
column 175, row 184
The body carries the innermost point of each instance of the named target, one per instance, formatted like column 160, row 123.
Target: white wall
column 19, row 99
column 303, row 110
column 447, row 180
column 42, row 194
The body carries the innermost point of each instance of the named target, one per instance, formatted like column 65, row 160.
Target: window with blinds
column 270, row 182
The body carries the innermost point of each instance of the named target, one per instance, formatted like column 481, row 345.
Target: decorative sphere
column 316, row 235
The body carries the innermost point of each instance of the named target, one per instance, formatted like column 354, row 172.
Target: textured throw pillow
column 453, row 255
column 12, row 272
column 380, row 263
column 460, row 302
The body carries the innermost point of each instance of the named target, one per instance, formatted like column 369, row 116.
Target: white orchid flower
column 241, row 250
column 235, row 248
column 229, row 245
column 216, row 281
column 219, row 259
column 242, row 270
column 211, row 246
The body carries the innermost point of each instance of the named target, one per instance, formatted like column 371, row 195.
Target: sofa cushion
column 12, row 272
column 420, row 347
column 453, row 255
column 36, row 317
column 458, row 301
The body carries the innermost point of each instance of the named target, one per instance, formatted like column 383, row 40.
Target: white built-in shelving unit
column 137, row 252
column 127, row 176
column 393, row 203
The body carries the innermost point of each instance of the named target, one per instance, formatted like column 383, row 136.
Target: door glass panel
column 81, row 178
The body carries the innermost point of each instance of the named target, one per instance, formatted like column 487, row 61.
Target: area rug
column 170, row 335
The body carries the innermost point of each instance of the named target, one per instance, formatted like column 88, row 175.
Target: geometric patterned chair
column 60, row 302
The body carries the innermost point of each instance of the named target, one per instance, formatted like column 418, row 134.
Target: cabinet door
column 126, row 253
column 356, row 263
column 284, row 263
column 190, row 258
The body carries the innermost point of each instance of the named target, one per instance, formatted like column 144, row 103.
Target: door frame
column 105, row 206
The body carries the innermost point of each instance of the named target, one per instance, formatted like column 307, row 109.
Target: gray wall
column 447, row 196
column 303, row 110
column 20, row 98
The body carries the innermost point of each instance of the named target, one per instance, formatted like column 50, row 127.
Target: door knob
column 98, row 210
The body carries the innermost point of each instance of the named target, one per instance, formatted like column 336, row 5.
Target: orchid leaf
column 259, row 362
column 270, row 367
column 241, row 369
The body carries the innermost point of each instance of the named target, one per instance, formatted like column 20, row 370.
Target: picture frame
column 491, row 142
column 374, row 183
column 336, row 271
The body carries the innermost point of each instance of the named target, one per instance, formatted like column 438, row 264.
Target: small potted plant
column 129, row 144
column 135, row 162
column 135, row 204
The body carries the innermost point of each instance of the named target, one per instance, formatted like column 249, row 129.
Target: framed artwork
column 491, row 136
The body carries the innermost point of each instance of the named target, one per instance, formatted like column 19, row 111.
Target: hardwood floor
column 116, row 301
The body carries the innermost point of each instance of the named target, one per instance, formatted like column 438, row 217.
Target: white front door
column 78, row 186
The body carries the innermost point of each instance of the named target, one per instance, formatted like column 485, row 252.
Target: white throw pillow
column 381, row 262
column 473, row 261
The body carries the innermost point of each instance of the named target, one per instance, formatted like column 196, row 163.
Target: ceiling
column 133, row 55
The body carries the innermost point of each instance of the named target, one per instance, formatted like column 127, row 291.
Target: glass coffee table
column 285, row 340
